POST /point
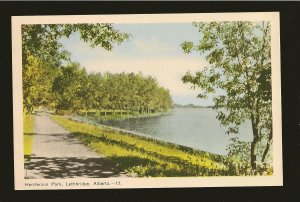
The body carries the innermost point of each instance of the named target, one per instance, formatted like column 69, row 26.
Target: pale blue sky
column 153, row 49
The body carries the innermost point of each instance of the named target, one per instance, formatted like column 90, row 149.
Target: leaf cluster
column 239, row 57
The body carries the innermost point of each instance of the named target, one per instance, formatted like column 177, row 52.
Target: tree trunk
column 268, row 146
column 265, row 152
column 254, row 144
column 253, row 153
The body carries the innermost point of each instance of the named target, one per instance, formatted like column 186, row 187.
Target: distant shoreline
column 190, row 106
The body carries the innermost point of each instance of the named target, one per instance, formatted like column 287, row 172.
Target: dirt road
column 58, row 154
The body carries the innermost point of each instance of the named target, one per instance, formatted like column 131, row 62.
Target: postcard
column 147, row 101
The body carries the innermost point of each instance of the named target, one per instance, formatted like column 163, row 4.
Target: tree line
column 75, row 89
column 52, row 79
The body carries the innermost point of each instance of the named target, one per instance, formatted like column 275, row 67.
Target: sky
column 153, row 49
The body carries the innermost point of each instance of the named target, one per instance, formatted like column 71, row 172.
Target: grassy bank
column 28, row 123
column 145, row 156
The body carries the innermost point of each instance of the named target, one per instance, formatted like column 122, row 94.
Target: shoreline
column 143, row 155
column 143, row 135
column 126, row 116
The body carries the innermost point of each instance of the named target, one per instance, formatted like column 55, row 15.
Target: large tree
column 41, row 41
column 37, row 89
column 238, row 76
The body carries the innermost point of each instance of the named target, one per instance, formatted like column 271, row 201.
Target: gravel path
column 57, row 154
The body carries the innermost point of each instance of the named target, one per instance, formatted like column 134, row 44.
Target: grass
column 146, row 156
column 28, row 123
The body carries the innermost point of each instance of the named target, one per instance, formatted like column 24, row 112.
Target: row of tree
column 75, row 89
column 51, row 79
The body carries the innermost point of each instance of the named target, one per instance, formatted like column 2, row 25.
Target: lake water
column 193, row 127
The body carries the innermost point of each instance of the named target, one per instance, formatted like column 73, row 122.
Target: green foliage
column 70, row 87
column 146, row 156
column 38, row 77
column 41, row 40
column 239, row 150
column 124, row 92
column 129, row 91
column 28, row 124
column 50, row 79
column 43, row 56
column 239, row 57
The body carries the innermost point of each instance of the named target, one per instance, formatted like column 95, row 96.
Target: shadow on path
column 69, row 167
column 56, row 153
column 62, row 138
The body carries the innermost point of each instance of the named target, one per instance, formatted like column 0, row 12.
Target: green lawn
column 28, row 123
column 145, row 156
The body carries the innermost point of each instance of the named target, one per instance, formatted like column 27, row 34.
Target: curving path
column 57, row 154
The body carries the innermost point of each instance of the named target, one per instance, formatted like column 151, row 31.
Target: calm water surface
column 193, row 127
